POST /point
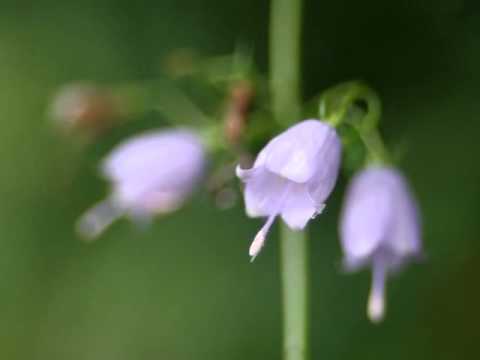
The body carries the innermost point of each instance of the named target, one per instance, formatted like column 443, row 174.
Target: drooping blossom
column 292, row 177
column 379, row 227
column 151, row 174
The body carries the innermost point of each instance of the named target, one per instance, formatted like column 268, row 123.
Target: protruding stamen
column 260, row 238
column 256, row 245
column 376, row 307
column 376, row 300
column 97, row 219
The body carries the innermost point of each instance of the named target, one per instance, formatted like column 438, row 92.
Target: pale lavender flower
column 292, row 177
column 380, row 226
column 151, row 174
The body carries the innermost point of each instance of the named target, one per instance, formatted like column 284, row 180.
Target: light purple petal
column 155, row 153
column 404, row 240
column 295, row 154
column 299, row 207
column 367, row 215
column 155, row 166
column 264, row 193
column 325, row 177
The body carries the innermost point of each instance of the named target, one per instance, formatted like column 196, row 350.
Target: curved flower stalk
column 380, row 226
column 292, row 177
column 150, row 174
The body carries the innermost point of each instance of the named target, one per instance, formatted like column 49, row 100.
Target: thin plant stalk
column 285, row 84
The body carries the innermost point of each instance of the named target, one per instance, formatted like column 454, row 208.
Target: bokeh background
column 184, row 288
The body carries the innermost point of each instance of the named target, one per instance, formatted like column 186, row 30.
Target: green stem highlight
column 285, row 76
column 376, row 149
column 341, row 105
column 285, row 83
column 294, row 263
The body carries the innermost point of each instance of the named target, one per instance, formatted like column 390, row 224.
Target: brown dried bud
column 83, row 108
column 238, row 108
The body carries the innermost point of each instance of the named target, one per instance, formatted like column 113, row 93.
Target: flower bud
column 238, row 108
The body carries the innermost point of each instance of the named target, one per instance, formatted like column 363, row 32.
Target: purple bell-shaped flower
column 150, row 174
column 380, row 226
column 292, row 177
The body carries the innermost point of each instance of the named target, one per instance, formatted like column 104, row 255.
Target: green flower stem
column 377, row 152
column 285, row 32
column 341, row 104
column 285, row 77
column 294, row 263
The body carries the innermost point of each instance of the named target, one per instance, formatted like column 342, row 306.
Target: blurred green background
column 184, row 288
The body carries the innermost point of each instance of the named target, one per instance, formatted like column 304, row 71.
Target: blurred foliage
column 184, row 289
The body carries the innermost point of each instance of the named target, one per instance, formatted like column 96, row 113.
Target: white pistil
column 376, row 299
column 260, row 238
column 376, row 307
column 97, row 219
